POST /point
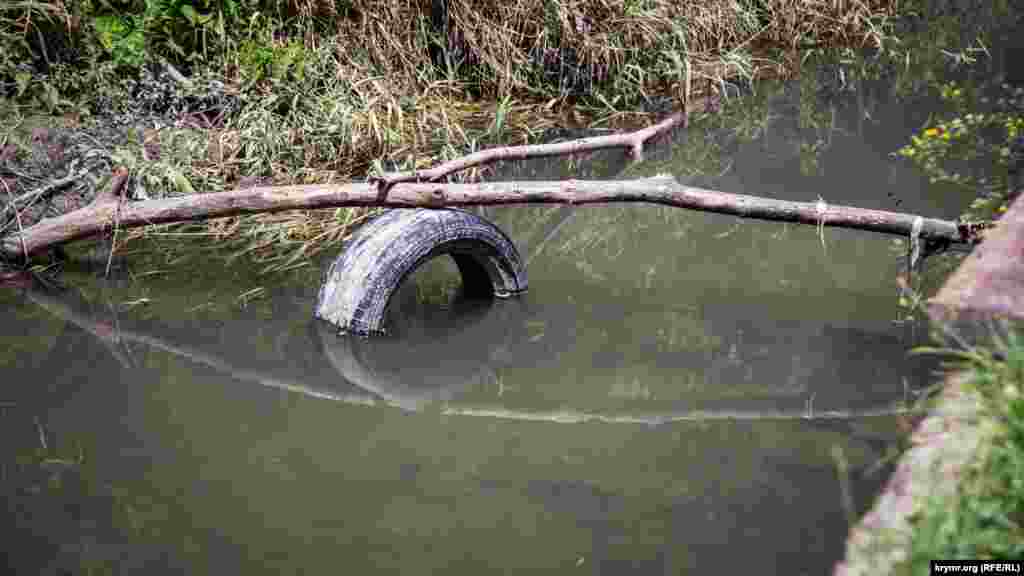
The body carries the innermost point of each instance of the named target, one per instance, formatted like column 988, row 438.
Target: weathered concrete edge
column 987, row 285
column 990, row 281
column 942, row 446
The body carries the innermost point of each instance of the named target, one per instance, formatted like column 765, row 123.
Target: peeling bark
column 404, row 190
column 99, row 217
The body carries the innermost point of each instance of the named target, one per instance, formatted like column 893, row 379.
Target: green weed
column 986, row 518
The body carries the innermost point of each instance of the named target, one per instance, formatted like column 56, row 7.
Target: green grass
column 985, row 519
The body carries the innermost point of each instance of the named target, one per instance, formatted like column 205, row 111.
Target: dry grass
column 373, row 92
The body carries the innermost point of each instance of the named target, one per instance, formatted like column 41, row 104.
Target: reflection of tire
column 433, row 364
column 381, row 254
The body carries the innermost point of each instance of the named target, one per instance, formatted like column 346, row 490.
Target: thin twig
column 633, row 140
column 113, row 238
column 49, row 187
column 563, row 213
column 42, row 433
column 22, row 175
column 822, row 208
column 113, row 194
column 17, row 218
column 114, row 343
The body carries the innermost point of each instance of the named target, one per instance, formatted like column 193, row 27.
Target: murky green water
column 678, row 392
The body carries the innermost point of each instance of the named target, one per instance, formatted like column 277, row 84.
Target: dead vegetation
column 320, row 92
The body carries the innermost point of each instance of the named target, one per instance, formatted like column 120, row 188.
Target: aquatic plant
column 972, row 147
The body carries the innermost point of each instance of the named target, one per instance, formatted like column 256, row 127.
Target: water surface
column 677, row 392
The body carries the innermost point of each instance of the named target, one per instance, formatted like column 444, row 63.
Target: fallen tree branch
column 402, row 190
column 656, row 419
column 634, row 141
column 98, row 217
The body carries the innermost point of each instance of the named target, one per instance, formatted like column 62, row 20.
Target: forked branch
column 634, row 141
column 402, row 190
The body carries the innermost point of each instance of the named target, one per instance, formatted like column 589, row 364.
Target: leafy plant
column 181, row 30
column 37, row 39
column 123, row 39
column 986, row 518
column 188, row 28
column 971, row 148
column 260, row 61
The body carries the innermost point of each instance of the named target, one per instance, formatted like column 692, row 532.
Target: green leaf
column 190, row 13
column 22, row 79
column 181, row 182
column 957, row 354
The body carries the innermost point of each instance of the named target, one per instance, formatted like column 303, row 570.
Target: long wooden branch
column 634, row 141
column 100, row 216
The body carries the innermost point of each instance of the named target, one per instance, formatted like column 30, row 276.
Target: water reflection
column 431, row 354
column 676, row 387
column 458, row 358
column 186, row 467
column 621, row 434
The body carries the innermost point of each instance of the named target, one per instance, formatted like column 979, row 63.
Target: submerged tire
column 383, row 252
column 435, row 363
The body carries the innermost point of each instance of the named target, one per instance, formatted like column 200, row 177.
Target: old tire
column 382, row 253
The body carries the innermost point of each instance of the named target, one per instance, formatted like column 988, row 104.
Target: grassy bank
column 215, row 94
column 985, row 518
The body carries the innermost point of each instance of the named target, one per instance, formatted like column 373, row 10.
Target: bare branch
column 17, row 218
column 634, row 141
column 48, row 187
column 97, row 217
column 403, row 190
